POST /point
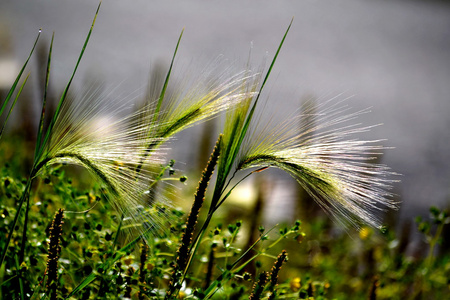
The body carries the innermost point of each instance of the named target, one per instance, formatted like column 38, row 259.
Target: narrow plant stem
column 24, row 233
column 433, row 242
column 210, row 267
column 119, row 228
column 19, row 271
column 237, row 137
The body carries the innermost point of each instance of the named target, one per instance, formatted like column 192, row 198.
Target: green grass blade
column 64, row 94
column 159, row 104
column 13, row 87
column 233, row 148
column 14, row 103
column 166, row 81
column 252, row 110
column 44, row 100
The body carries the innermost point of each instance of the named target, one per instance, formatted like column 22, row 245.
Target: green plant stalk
column 24, row 233
column 166, row 81
column 224, row 169
column 202, row 231
column 54, row 250
column 21, row 290
column 430, row 257
column 8, row 280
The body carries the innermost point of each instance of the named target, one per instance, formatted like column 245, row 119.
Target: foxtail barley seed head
column 336, row 169
column 207, row 97
column 110, row 150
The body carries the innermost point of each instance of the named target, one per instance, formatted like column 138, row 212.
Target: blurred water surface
column 393, row 56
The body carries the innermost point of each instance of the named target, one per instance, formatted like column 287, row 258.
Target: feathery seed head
column 111, row 150
column 336, row 170
column 202, row 101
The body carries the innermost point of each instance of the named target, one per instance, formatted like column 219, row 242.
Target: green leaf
column 14, row 103
column 13, row 87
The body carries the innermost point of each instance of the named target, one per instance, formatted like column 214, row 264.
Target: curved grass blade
column 13, row 104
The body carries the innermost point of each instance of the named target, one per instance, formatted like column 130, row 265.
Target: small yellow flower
column 295, row 284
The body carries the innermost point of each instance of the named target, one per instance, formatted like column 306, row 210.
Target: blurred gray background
column 393, row 56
